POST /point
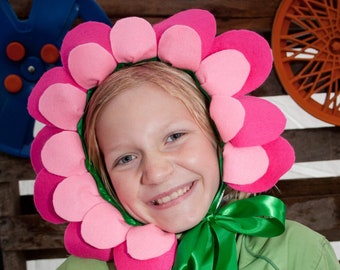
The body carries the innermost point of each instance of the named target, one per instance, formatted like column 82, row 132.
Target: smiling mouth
column 173, row 196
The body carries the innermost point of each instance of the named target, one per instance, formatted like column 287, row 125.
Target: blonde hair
column 175, row 82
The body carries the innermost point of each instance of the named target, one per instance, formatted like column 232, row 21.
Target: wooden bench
column 311, row 201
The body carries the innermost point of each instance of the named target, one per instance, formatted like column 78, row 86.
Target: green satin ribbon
column 211, row 245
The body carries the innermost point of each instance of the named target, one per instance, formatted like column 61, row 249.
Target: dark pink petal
column 256, row 50
column 87, row 32
column 124, row 261
column 44, row 187
column 75, row 245
column 281, row 156
column 202, row 21
column 264, row 122
column 38, row 143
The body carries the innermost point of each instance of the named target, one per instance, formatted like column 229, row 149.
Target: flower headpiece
column 227, row 67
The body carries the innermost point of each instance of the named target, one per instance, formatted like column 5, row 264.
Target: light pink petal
column 281, row 156
column 63, row 154
column 224, row 72
column 75, row 196
column 104, row 227
column 50, row 77
column 181, row 46
column 133, row 39
column 264, row 122
column 244, row 165
column 76, row 246
column 90, row 64
column 65, row 96
column 228, row 115
column 44, row 186
column 256, row 50
column 83, row 33
column 124, row 261
column 202, row 21
column 148, row 241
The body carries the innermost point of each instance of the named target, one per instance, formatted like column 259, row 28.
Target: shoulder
column 297, row 248
column 76, row 263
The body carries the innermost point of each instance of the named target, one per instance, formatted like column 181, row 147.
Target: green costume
column 297, row 248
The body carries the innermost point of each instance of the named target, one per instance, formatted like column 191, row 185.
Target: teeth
column 172, row 196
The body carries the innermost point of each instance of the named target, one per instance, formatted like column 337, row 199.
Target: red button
column 13, row 83
column 15, row 51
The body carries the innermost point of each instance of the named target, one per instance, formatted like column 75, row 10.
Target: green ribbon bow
column 212, row 243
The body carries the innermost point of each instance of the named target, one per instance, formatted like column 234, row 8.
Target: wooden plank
column 30, row 232
column 232, row 14
column 15, row 168
column 307, row 187
column 314, row 203
column 315, row 144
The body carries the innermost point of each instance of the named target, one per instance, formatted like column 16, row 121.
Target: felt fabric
column 184, row 53
column 81, row 193
column 92, row 69
column 133, row 40
column 123, row 260
column 227, row 67
column 62, row 96
column 44, row 186
column 75, row 244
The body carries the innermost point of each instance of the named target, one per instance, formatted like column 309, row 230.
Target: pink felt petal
column 75, row 196
column 244, row 165
column 90, row 64
column 44, row 187
column 104, row 227
column 281, row 155
column 228, row 115
column 86, row 32
column 75, row 245
column 148, row 241
column 124, row 261
column 64, row 96
column 39, row 141
column 264, row 122
column 256, row 50
column 202, row 21
column 223, row 73
column 63, row 154
column 181, row 46
column 52, row 76
column 133, row 39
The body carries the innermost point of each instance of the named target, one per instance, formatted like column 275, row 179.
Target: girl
column 143, row 162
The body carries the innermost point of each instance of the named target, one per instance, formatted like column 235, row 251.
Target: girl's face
column 163, row 167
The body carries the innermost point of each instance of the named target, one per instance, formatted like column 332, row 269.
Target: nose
column 156, row 168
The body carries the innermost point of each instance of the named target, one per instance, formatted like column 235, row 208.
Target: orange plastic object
column 15, row 51
column 306, row 49
column 13, row 83
column 49, row 53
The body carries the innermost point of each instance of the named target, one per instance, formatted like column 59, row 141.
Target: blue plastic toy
column 27, row 49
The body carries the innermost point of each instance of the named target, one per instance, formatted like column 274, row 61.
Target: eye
column 175, row 136
column 126, row 159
